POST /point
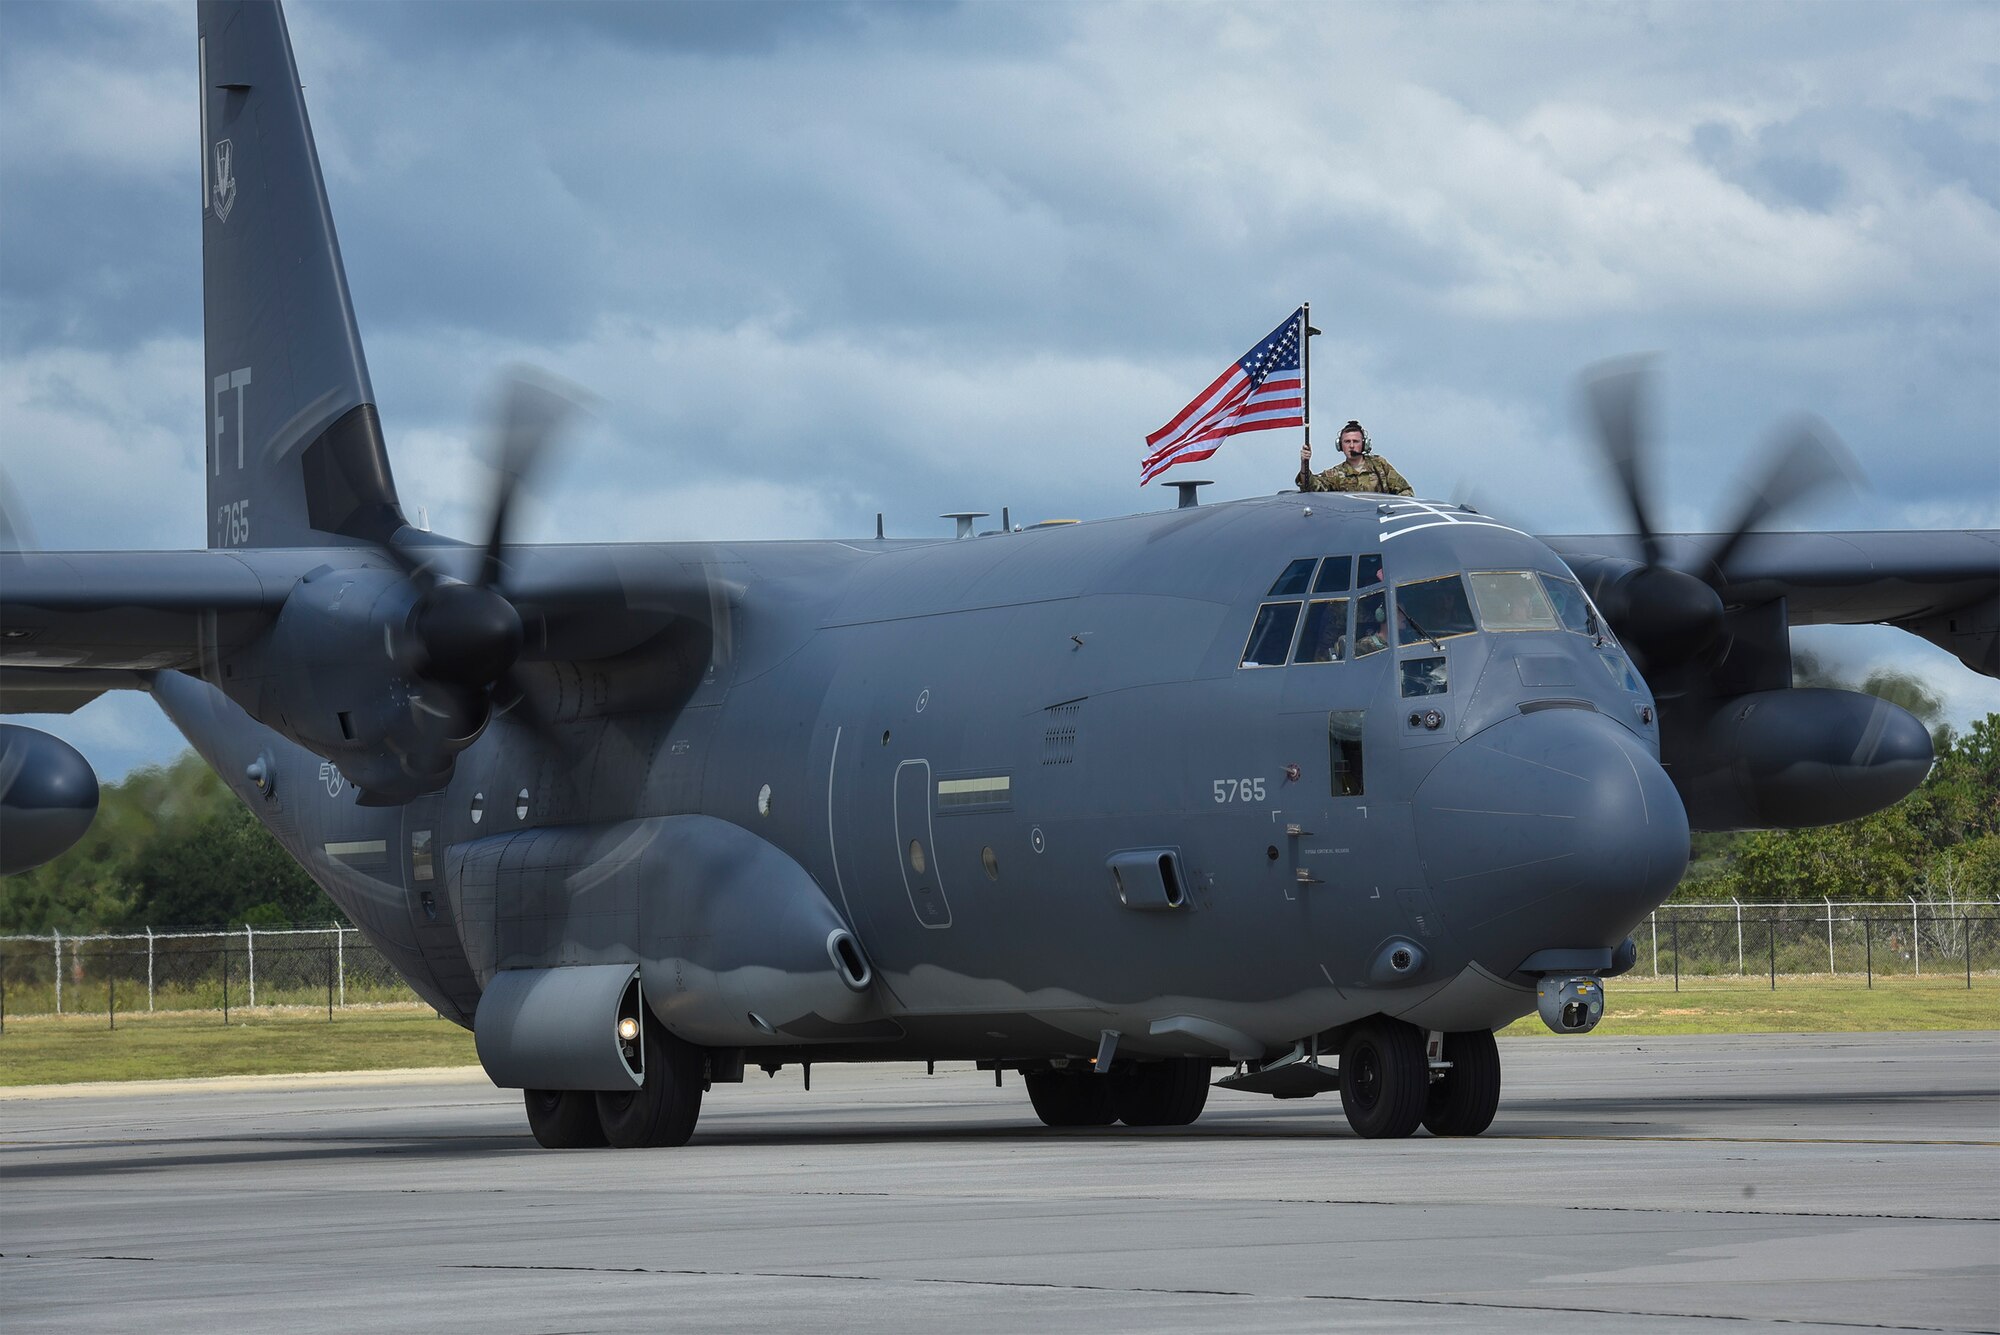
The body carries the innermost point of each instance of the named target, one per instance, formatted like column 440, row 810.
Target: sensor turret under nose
column 1570, row 1005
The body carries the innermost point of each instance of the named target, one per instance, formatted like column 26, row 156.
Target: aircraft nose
column 1550, row 829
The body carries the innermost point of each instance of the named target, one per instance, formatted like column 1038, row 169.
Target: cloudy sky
column 818, row 261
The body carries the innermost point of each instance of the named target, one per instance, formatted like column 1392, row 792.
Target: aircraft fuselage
column 1053, row 786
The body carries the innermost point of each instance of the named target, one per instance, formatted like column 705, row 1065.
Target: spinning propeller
column 452, row 645
column 1667, row 607
column 460, row 642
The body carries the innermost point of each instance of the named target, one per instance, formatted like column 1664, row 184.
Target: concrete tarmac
column 1821, row 1182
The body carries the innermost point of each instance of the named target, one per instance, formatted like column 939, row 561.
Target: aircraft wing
column 125, row 612
column 1942, row 586
column 136, row 611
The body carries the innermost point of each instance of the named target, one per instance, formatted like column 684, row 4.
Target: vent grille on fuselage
column 1059, row 737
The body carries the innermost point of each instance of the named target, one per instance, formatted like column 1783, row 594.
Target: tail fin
column 295, row 453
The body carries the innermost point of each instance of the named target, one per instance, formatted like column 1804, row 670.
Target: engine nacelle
column 48, row 797
column 341, row 673
column 1791, row 758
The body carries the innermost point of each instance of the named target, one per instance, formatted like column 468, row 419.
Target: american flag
column 1263, row 389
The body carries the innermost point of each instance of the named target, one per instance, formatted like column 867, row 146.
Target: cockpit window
column 1343, row 744
column 1367, row 570
column 1512, row 600
column 1324, row 640
column 1333, row 574
column 1571, row 606
column 1270, row 642
column 1620, row 670
column 1424, row 676
column 1432, row 609
column 1371, row 634
column 1295, row 579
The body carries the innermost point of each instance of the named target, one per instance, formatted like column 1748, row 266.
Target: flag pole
column 1306, row 368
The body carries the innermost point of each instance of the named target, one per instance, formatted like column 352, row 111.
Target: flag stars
column 1240, row 400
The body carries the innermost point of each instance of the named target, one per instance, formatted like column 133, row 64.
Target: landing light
column 628, row 1029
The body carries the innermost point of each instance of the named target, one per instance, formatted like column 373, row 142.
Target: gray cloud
column 820, row 261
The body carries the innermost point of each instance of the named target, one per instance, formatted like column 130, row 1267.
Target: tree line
column 171, row 847
column 1941, row 844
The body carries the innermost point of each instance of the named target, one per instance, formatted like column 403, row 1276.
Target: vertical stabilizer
column 295, row 453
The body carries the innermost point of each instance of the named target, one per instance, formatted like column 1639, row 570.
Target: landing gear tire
column 662, row 1111
column 1463, row 1099
column 564, row 1119
column 1166, row 1093
column 1384, row 1079
column 1071, row 1098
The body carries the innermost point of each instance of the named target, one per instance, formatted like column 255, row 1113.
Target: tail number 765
column 1239, row 790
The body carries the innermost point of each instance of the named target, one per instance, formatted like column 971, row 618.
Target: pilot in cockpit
column 1329, row 635
column 1370, row 634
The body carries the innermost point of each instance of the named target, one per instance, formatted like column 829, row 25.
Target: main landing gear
column 1388, row 1087
column 660, row 1112
column 1160, row 1093
column 1463, row 1099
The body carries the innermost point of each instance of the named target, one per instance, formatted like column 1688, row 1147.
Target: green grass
column 48, row 1050
column 1642, row 1006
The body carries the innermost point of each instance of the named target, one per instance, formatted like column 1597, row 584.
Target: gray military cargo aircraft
column 1321, row 790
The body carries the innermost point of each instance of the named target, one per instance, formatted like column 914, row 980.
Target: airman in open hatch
column 1360, row 468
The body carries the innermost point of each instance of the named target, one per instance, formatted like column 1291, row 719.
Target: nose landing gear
column 1389, row 1086
column 1464, row 1096
column 1384, row 1079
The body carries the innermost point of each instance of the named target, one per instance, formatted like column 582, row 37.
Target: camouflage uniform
column 1374, row 474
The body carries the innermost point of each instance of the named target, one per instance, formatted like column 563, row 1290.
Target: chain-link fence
column 194, row 972
column 1852, row 942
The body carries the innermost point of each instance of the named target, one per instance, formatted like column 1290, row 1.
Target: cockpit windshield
column 1432, row 609
column 1512, row 600
column 1571, row 606
column 1311, row 624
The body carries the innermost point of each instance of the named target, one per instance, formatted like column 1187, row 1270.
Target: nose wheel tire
column 1071, row 1098
column 1463, row 1099
column 662, row 1111
column 1384, row 1079
column 1164, row 1093
column 564, row 1119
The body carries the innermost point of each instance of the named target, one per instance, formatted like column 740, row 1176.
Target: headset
column 1367, row 445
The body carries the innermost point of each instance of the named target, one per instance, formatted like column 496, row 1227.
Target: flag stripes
column 1262, row 390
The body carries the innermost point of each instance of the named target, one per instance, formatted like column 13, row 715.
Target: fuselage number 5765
column 1239, row 790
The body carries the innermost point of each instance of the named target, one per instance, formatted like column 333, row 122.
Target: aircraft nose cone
column 1551, row 829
